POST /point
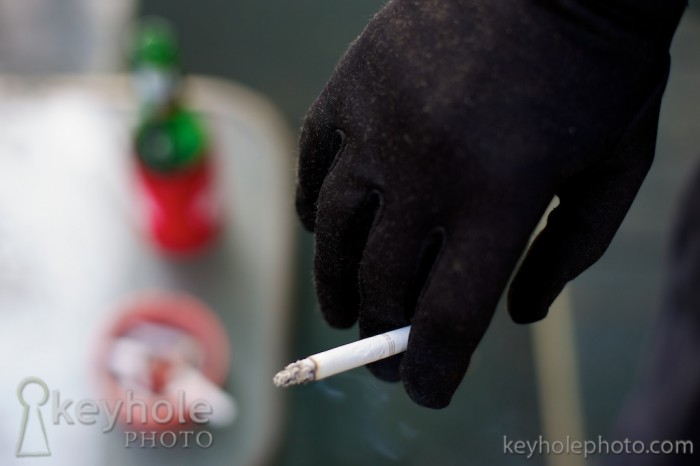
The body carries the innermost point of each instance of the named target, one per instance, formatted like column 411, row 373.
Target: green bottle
column 171, row 146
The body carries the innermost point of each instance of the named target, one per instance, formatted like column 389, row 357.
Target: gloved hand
column 437, row 145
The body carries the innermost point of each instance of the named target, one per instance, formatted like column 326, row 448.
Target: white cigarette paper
column 343, row 358
column 224, row 409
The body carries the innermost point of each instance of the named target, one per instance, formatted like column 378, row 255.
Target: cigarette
column 343, row 358
column 224, row 408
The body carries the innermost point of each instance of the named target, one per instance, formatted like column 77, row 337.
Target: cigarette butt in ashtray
column 130, row 363
column 343, row 358
column 167, row 348
column 224, row 409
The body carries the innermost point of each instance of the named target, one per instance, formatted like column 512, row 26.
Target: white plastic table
column 71, row 251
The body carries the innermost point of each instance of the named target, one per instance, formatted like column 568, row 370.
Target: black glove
column 437, row 145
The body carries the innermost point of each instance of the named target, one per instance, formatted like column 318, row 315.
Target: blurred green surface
column 287, row 51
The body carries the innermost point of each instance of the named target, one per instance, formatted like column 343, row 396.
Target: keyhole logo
column 32, row 435
column 33, row 393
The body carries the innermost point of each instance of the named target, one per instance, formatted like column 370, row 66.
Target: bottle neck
column 157, row 89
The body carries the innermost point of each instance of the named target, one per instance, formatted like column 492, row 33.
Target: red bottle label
column 180, row 208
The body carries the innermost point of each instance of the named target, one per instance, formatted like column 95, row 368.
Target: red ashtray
column 161, row 359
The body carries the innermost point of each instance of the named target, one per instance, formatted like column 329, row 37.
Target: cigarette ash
column 296, row 373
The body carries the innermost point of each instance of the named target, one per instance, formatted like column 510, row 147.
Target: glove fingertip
column 339, row 318
column 529, row 300
column 524, row 308
column 426, row 388
column 431, row 380
column 338, row 305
